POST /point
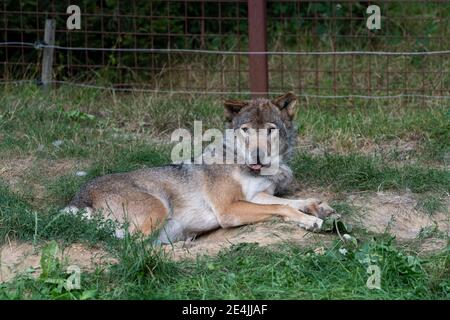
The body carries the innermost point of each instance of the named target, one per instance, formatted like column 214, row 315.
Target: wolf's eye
column 270, row 131
column 244, row 129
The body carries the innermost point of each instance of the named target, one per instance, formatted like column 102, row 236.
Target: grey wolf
column 184, row 200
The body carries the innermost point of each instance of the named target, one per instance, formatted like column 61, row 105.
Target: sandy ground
column 395, row 213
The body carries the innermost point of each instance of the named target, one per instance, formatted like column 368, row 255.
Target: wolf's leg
column 243, row 212
column 143, row 211
column 311, row 206
column 172, row 231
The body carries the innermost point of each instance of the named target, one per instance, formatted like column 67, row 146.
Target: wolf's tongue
column 255, row 166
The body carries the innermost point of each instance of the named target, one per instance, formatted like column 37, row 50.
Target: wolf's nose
column 261, row 156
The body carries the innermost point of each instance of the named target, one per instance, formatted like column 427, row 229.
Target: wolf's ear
column 286, row 103
column 232, row 108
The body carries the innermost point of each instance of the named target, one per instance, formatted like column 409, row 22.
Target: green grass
column 18, row 221
column 355, row 172
column 352, row 129
column 103, row 133
column 432, row 202
column 248, row 271
column 87, row 121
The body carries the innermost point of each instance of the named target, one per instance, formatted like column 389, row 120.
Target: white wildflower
column 57, row 143
column 347, row 237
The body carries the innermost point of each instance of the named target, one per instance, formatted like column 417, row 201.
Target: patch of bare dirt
column 62, row 167
column 29, row 171
column 267, row 233
column 13, row 170
column 18, row 258
column 432, row 245
column 395, row 213
column 405, row 150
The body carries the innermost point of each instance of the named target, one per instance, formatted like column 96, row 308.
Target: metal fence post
column 47, row 55
column 257, row 33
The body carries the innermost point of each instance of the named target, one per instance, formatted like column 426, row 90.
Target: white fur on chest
column 252, row 185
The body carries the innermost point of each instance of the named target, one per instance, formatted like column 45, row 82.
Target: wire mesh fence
column 315, row 48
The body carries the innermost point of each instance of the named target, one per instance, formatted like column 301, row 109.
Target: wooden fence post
column 257, row 33
column 47, row 55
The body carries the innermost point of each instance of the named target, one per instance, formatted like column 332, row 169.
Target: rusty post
column 257, row 33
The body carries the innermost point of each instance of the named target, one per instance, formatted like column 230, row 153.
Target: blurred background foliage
column 215, row 25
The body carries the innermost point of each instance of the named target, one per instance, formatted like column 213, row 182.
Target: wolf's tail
column 81, row 201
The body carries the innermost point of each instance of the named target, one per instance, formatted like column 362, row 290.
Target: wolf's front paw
column 317, row 208
column 305, row 221
column 312, row 224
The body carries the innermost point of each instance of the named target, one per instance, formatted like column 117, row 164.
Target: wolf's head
column 265, row 132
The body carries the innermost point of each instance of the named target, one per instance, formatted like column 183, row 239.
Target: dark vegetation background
column 222, row 25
